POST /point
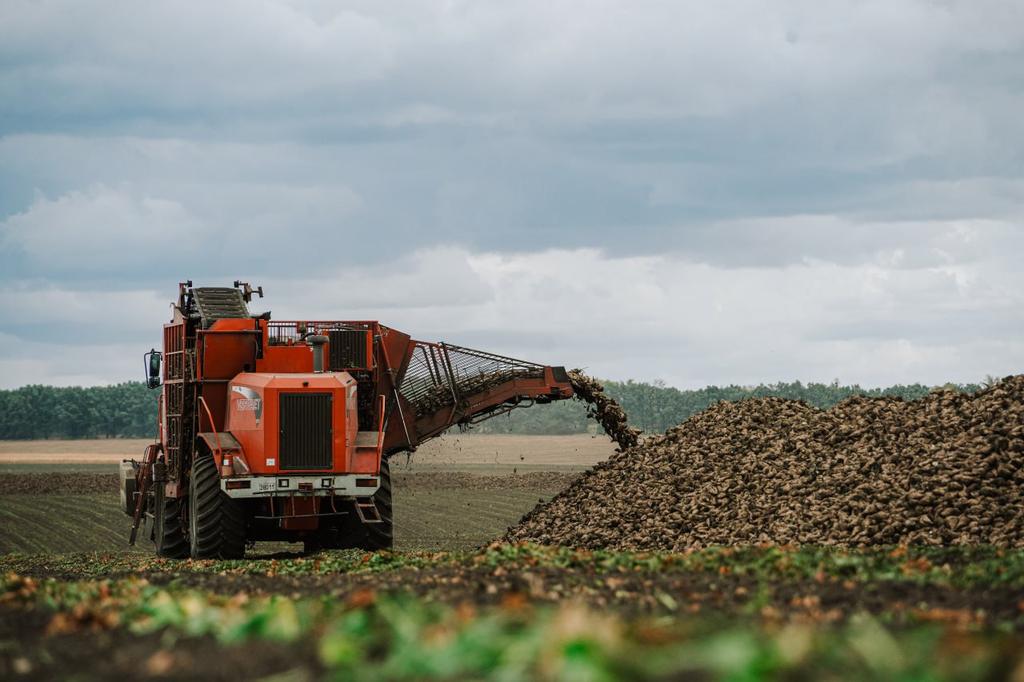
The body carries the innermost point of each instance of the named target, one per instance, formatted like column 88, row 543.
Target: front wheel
column 216, row 522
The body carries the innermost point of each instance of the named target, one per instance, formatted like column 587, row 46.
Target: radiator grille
column 348, row 349
column 306, row 434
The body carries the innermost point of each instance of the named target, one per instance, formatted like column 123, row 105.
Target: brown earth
column 54, row 513
column 57, row 483
column 505, row 453
column 456, row 492
column 484, row 453
column 91, row 451
column 946, row 469
column 120, row 654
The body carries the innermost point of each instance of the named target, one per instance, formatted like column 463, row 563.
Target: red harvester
column 273, row 430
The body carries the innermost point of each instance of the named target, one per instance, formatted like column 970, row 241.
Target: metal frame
column 344, row 486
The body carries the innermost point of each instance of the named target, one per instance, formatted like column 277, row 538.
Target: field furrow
column 445, row 518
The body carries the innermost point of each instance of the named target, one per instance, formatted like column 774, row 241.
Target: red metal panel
column 298, row 513
column 286, row 359
column 222, row 355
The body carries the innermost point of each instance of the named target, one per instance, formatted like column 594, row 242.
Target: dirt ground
column 505, row 453
column 457, row 492
column 97, row 451
column 456, row 452
column 426, row 518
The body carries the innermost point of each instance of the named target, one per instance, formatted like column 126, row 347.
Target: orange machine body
column 231, row 380
column 254, row 419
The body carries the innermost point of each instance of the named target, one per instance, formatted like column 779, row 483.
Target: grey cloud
column 638, row 317
column 400, row 158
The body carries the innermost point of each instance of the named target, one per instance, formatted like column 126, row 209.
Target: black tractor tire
column 348, row 532
column 216, row 522
column 168, row 530
column 381, row 535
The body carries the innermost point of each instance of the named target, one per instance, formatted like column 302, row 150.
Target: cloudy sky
column 701, row 192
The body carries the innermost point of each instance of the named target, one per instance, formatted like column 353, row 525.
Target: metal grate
column 281, row 332
column 440, row 374
column 216, row 303
column 306, row 439
column 347, row 349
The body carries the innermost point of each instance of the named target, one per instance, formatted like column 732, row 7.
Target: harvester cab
column 282, row 430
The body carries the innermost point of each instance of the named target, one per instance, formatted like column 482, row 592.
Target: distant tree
column 122, row 410
column 128, row 410
column 655, row 407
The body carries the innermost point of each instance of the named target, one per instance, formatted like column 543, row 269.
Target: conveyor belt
column 440, row 375
column 216, row 303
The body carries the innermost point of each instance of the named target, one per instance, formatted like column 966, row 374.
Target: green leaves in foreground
column 371, row 636
column 959, row 566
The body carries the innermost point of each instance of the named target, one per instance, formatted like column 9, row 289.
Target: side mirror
column 151, row 360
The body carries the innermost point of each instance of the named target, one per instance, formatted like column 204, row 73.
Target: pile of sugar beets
column 946, row 469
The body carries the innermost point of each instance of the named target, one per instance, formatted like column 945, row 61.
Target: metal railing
column 281, row 333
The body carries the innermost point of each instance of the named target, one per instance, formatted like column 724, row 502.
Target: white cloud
column 108, row 233
column 646, row 317
column 51, row 312
column 59, row 364
column 431, row 280
column 100, row 230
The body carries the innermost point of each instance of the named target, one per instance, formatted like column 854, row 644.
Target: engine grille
column 306, row 433
column 348, row 349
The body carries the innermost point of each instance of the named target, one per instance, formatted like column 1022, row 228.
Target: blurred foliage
column 128, row 410
column 395, row 636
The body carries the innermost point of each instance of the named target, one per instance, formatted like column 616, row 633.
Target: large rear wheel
column 216, row 522
column 168, row 532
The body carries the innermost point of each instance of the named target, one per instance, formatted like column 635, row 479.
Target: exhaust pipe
column 317, row 344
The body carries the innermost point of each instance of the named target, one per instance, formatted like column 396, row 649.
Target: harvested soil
column 947, row 469
column 604, row 409
column 57, row 483
column 534, row 480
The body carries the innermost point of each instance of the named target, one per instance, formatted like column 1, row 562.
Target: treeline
column 125, row 410
column 656, row 407
column 128, row 410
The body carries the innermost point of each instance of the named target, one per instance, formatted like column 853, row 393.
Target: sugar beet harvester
column 274, row 430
